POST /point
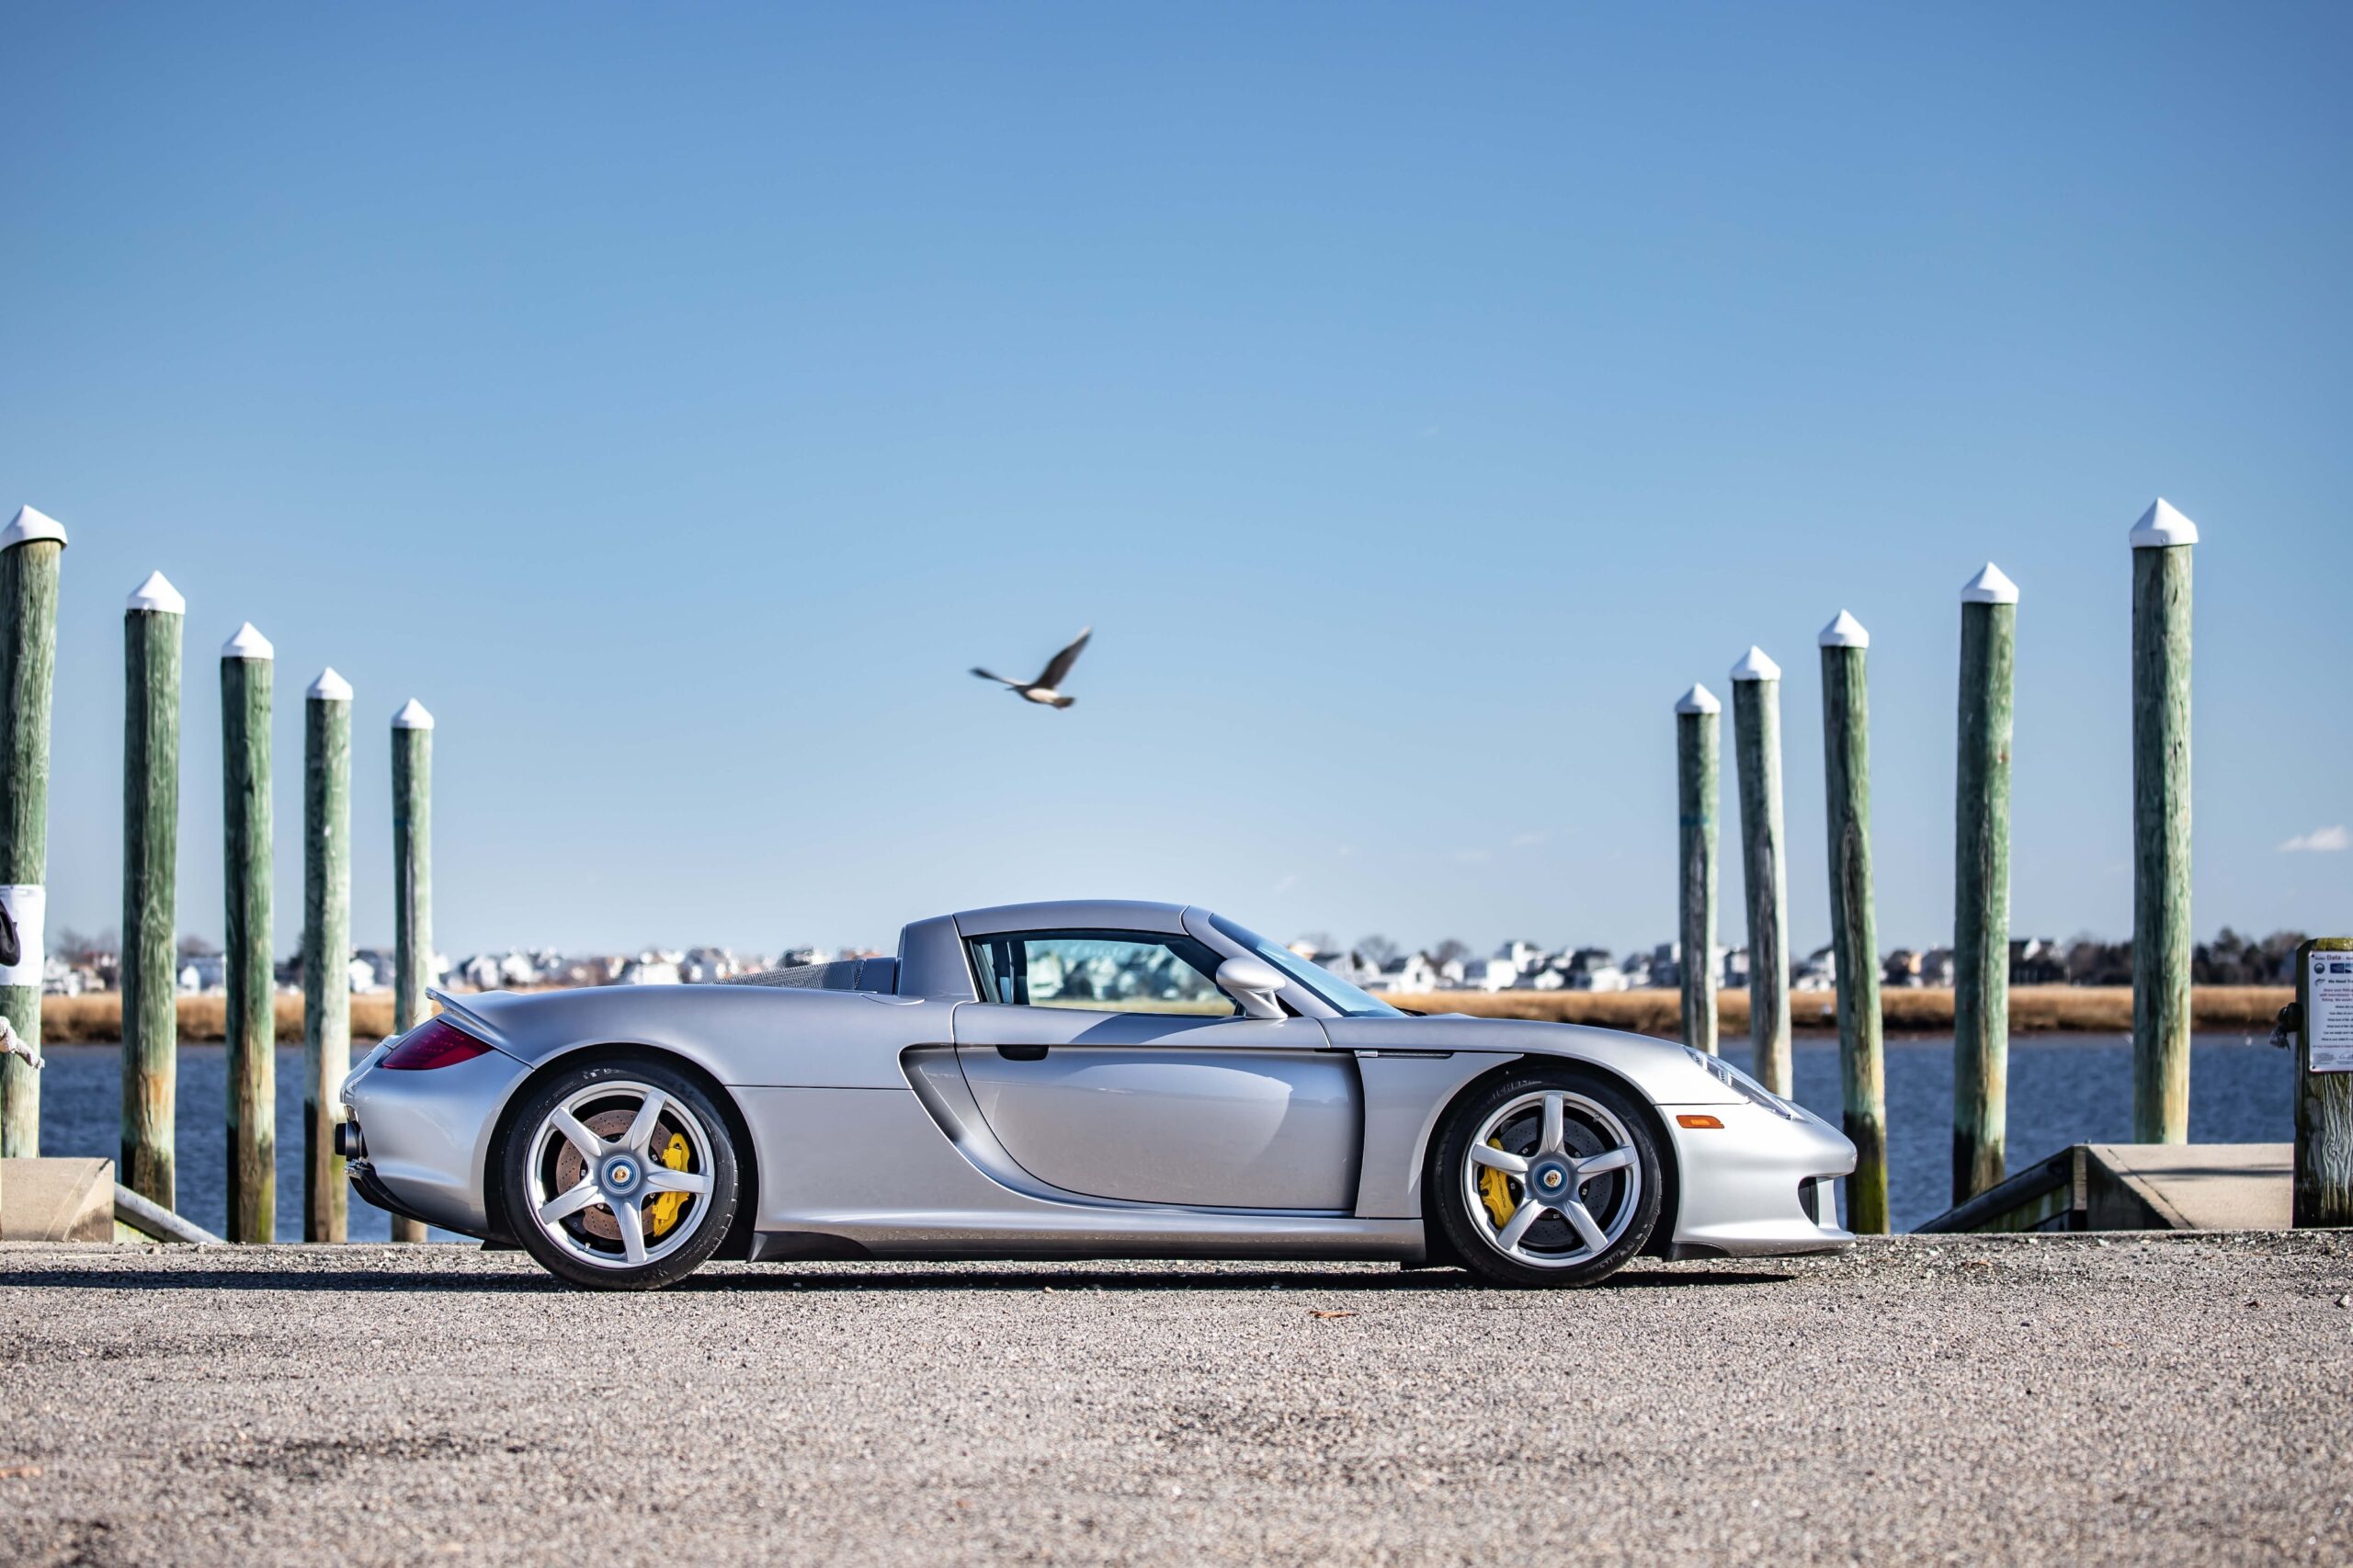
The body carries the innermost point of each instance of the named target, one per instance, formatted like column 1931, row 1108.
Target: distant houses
column 1514, row 966
column 79, row 966
column 651, row 968
column 203, row 973
column 2035, row 961
column 1412, row 974
column 1906, row 968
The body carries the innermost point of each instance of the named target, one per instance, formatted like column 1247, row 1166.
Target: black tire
column 1600, row 1123
column 589, row 1244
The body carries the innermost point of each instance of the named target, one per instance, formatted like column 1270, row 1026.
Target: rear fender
column 744, row 1036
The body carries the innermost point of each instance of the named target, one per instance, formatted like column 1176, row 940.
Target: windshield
column 1344, row 999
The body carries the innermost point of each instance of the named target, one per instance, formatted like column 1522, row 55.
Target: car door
column 1108, row 1065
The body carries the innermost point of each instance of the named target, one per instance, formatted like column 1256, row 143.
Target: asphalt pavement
column 2178, row 1398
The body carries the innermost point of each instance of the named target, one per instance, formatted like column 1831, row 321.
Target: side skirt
column 1177, row 1235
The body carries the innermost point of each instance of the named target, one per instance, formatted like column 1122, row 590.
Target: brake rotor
column 571, row 1170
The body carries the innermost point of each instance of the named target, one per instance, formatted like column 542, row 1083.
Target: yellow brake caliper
column 664, row 1205
column 1494, row 1191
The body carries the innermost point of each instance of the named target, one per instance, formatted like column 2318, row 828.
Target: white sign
column 26, row 904
column 2328, row 1014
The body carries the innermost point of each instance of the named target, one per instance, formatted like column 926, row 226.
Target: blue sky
column 1415, row 399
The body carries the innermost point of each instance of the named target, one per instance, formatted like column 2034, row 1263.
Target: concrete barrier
column 57, row 1200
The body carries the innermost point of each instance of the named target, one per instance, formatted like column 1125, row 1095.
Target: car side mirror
column 1252, row 983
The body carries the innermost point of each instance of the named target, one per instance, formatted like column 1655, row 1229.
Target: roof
column 1054, row 915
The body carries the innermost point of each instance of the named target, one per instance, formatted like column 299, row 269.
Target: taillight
column 435, row 1043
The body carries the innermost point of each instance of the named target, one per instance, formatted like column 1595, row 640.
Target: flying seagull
column 1045, row 688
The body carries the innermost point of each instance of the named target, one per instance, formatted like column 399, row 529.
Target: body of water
column 2063, row 1089
column 81, row 1113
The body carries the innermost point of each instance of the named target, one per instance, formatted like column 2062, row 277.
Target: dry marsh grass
column 2034, row 1009
column 98, row 1020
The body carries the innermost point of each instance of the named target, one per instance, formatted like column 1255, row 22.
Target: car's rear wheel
column 620, row 1175
column 1547, row 1178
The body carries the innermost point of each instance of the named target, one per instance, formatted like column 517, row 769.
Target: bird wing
column 992, row 674
column 1061, row 662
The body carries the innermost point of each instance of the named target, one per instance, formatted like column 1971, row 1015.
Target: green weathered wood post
column 245, row 666
column 2161, row 941
column 1854, row 924
column 1981, row 919
column 327, row 949
column 2324, row 1179
column 1757, row 744
column 29, row 551
column 152, row 623
column 1696, row 727
column 412, row 882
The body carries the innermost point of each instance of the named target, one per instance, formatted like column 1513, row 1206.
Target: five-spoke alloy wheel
column 1547, row 1178
column 620, row 1175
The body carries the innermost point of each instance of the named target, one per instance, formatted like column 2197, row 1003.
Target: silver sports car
column 1072, row 1080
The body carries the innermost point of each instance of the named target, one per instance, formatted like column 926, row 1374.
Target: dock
column 2138, row 1187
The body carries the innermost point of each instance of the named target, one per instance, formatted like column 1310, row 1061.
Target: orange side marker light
column 1701, row 1123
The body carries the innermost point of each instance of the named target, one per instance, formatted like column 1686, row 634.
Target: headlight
column 1732, row 1077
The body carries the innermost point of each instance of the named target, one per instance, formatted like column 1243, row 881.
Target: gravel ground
column 2126, row 1399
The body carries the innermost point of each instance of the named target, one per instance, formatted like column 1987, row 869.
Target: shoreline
column 96, row 1020
column 2034, row 1009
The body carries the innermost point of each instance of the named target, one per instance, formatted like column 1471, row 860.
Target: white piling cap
column 1754, row 665
column 1990, row 587
column 2160, row 527
column 248, row 643
column 1699, row 699
column 411, row 716
column 158, row 595
column 1846, row 632
column 330, row 686
column 29, row 524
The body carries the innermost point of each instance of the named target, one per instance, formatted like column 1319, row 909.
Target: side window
column 1106, row 972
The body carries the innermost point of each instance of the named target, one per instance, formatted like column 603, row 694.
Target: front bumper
column 427, row 1137
column 1743, row 1187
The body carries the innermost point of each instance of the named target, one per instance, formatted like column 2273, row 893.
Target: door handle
column 1022, row 1053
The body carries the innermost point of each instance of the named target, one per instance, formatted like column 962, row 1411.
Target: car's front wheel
column 1548, row 1176
column 620, row 1175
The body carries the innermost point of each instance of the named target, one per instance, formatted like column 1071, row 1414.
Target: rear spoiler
column 466, row 1018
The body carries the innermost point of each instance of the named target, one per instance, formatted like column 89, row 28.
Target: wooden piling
column 152, row 621
column 1854, row 925
column 1696, row 728
column 29, row 551
column 326, row 950
column 245, row 667
column 412, row 882
column 2161, row 940
column 1981, row 921
column 1756, row 745
column 2323, row 1190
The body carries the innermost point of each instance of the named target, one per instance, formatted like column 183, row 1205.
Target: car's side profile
column 1075, row 1080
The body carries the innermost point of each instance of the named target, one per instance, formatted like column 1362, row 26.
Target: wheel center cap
column 1551, row 1178
column 620, row 1175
